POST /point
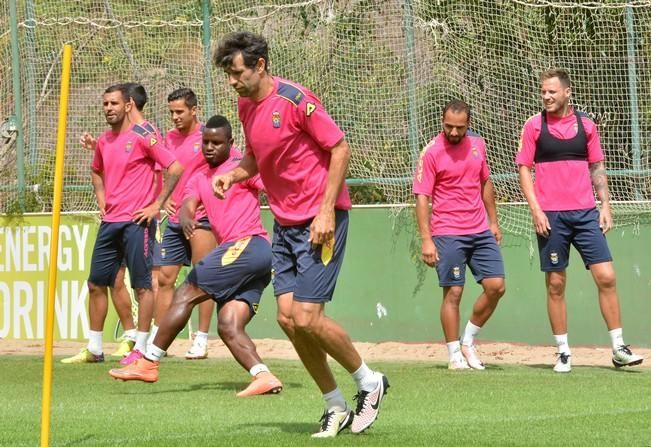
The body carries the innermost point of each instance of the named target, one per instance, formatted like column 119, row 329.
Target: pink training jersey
column 187, row 150
column 158, row 181
column 565, row 184
column 126, row 162
column 290, row 135
column 238, row 214
column 452, row 175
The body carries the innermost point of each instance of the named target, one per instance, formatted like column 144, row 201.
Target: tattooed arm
column 600, row 183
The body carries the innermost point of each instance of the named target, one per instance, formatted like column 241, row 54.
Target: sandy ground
column 491, row 353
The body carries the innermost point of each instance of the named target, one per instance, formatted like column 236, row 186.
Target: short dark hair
column 251, row 46
column 559, row 73
column 118, row 88
column 183, row 93
column 136, row 92
column 457, row 105
column 219, row 122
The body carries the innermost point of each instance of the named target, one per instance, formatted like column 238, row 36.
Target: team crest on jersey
column 128, row 147
column 456, row 272
column 196, row 147
column 152, row 141
column 553, row 257
column 475, row 152
column 275, row 119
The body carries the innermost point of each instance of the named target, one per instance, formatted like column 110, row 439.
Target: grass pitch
column 194, row 404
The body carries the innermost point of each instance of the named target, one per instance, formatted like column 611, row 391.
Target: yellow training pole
column 54, row 247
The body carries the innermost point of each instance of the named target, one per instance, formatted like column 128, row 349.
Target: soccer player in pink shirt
column 137, row 96
column 125, row 159
column 462, row 228
column 562, row 146
column 175, row 250
column 234, row 274
column 302, row 157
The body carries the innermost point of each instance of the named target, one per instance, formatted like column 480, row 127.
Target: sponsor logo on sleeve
column 310, row 108
column 419, row 172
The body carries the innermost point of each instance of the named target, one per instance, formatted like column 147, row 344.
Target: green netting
column 383, row 69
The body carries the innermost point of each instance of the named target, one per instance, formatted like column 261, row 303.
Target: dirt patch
column 491, row 353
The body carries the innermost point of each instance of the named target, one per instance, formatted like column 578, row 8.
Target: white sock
column 257, row 369
column 454, row 349
column 469, row 334
column 617, row 338
column 561, row 344
column 141, row 341
column 129, row 335
column 334, row 400
column 201, row 337
column 152, row 334
column 95, row 342
column 154, row 353
column 365, row 378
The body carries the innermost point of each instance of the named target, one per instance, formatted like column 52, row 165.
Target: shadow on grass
column 285, row 427
column 208, row 386
column 587, row 367
column 488, row 368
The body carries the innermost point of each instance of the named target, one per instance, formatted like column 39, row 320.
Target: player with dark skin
column 234, row 312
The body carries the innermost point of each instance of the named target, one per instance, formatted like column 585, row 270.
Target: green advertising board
column 24, row 263
column 381, row 294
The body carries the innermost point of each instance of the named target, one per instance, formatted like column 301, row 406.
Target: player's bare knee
column 165, row 281
column 498, row 290
column 494, row 288
column 119, row 287
column 188, row 295
column 285, row 322
column 556, row 289
column 452, row 296
column 95, row 290
column 307, row 322
column 287, row 325
column 606, row 280
column 227, row 330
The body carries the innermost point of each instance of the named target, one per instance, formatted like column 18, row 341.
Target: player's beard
column 454, row 139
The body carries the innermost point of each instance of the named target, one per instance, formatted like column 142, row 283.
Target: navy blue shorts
column 479, row 251
column 174, row 248
column 123, row 240
column 579, row 228
column 235, row 270
column 310, row 273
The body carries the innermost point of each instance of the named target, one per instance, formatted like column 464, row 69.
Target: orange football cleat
column 142, row 369
column 262, row 383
